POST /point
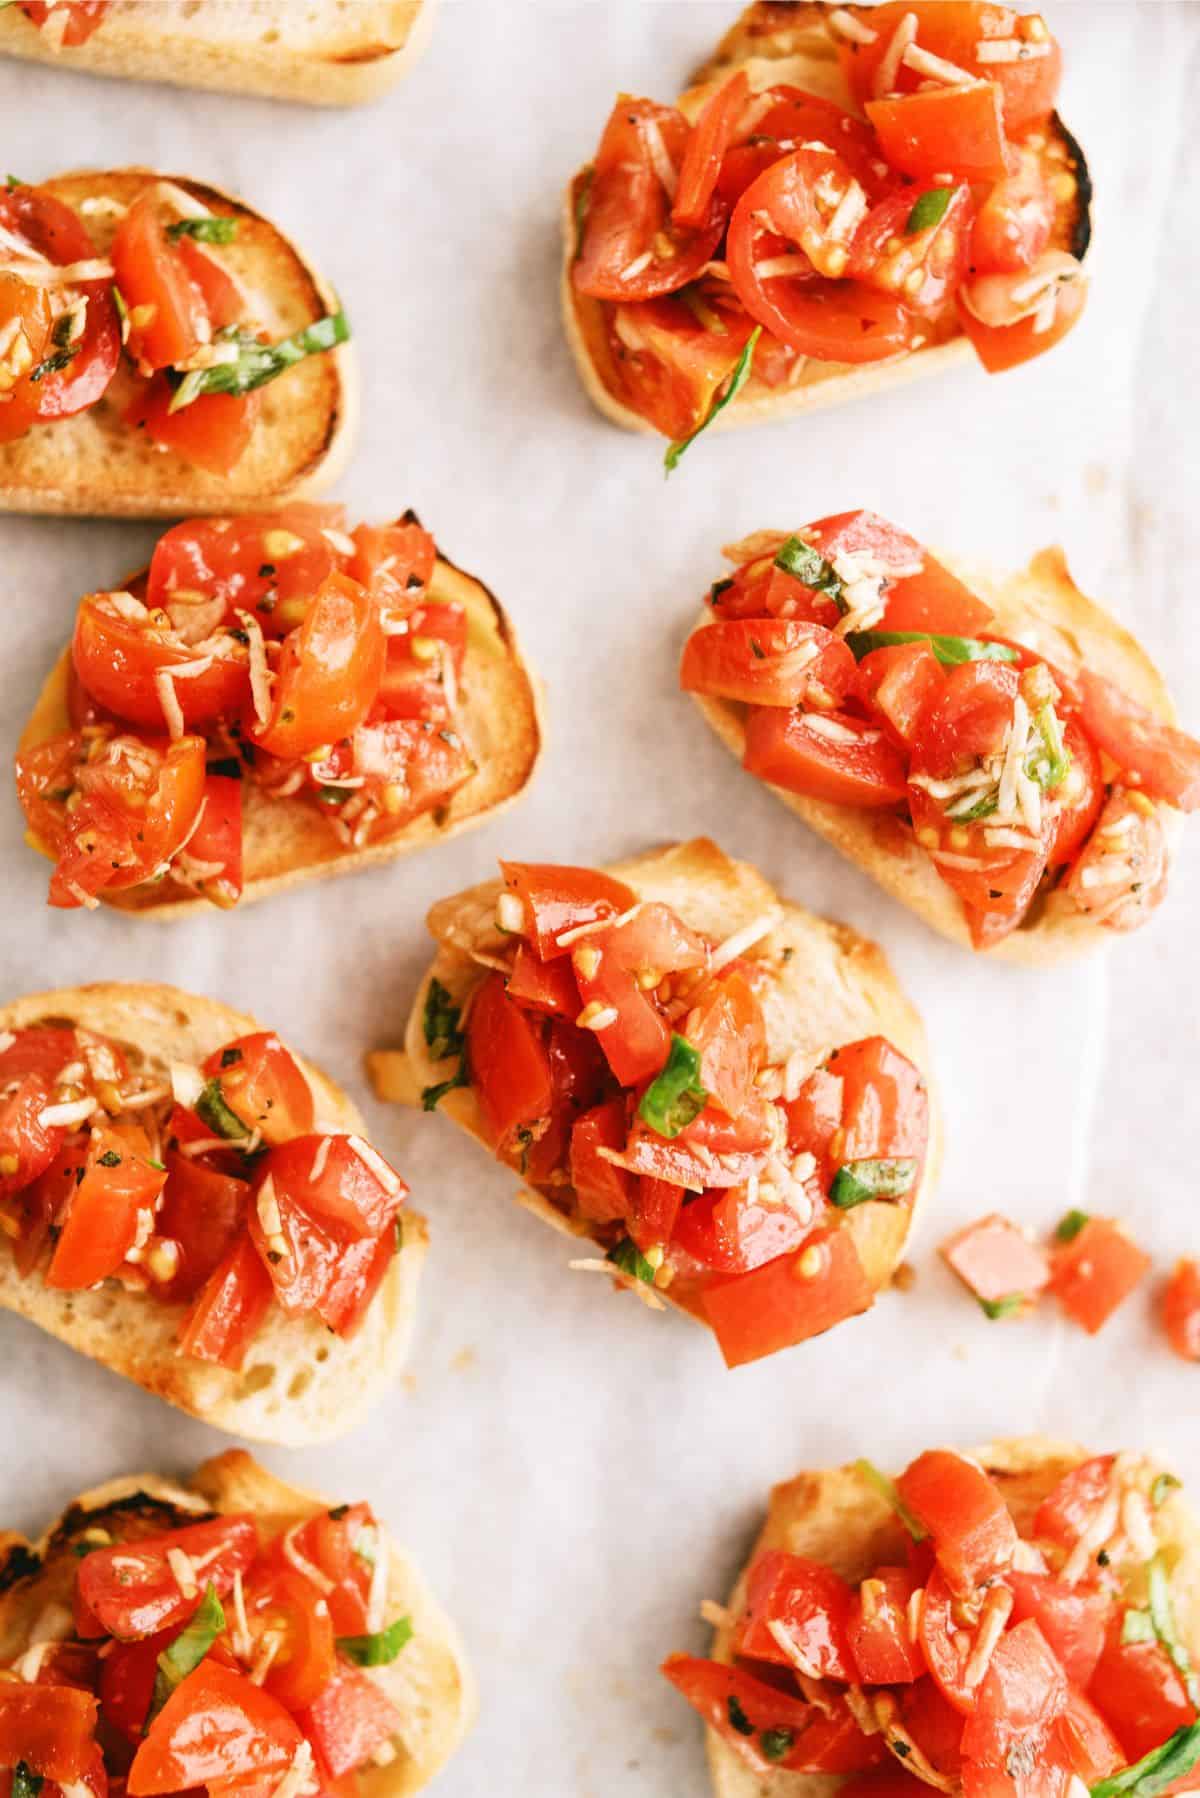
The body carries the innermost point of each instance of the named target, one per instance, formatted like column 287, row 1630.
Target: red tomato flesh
column 951, row 130
column 881, row 1645
column 789, row 1299
column 1181, row 1309
column 766, row 662
column 216, row 1725
column 832, row 757
column 810, row 1602
column 132, row 1591
column 510, row 1071
column 1096, row 1272
column 560, row 899
column 996, row 1260
column 973, row 1535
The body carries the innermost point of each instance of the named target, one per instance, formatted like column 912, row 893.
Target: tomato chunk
column 822, row 756
column 132, row 1589
column 766, row 662
column 339, row 1180
column 1073, row 1619
column 881, row 1643
column 770, row 1729
column 710, row 137
column 809, row 1602
column 229, row 1308
column 1181, row 1309
column 973, row 1535
column 349, row 1721
column 603, row 1192
column 996, row 1261
column 559, row 899
column 50, row 1728
column 1164, row 762
column 956, row 130
column 119, row 1181
column 1139, row 1693
column 264, row 1086
column 1008, row 1748
column 789, row 1299
column 957, row 31
column 1096, row 1271
column 896, row 683
column 216, row 1725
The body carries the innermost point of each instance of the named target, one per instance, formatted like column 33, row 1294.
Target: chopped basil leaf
column 950, row 651
column 1008, row 1306
column 929, row 210
column 858, row 1181
column 230, row 769
column 776, row 1743
column 1071, row 1225
column 336, row 1514
column 887, row 1490
column 1156, row 1771
column 629, row 1258
column 432, row 1096
column 160, row 1167
column 378, row 1650
column 716, row 590
column 212, row 1110
column 737, row 380
column 675, row 1096
column 442, row 1033
column 969, row 811
column 110, row 1158
column 1138, row 1626
column 1049, row 763
column 1162, row 1617
column 213, row 229
column 185, row 1653
column 1164, row 1485
column 12, row 182
column 738, row 1717
column 257, row 363
column 53, row 365
column 809, row 566
column 25, row 1782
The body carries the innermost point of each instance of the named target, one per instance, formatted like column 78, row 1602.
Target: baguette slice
column 96, row 465
column 325, row 52
column 837, row 1517
column 835, row 987
column 287, row 843
column 301, row 1383
column 786, row 42
column 430, row 1683
column 1041, row 607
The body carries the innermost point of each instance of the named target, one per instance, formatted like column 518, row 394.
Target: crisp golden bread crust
column 430, row 1682
column 837, row 1517
column 783, row 43
column 323, row 52
column 286, row 842
column 301, row 1384
column 96, row 465
column 835, row 987
column 1043, row 608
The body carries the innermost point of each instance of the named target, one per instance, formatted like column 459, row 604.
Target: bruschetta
column 726, row 1096
column 230, row 1633
column 1013, row 1624
column 195, row 1207
column 164, row 349
column 995, row 750
column 320, row 51
column 845, row 198
column 273, row 700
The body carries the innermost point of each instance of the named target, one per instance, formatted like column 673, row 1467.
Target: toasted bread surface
column 1041, row 607
column 837, row 1517
column 301, row 1383
column 96, row 465
column 325, row 52
column 785, row 43
column 287, row 842
column 430, row 1682
column 833, row 987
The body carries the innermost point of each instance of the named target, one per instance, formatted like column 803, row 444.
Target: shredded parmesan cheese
column 844, row 24
column 889, row 63
column 744, row 939
column 659, row 156
column 301, row 1562
column 183, row 1572
column 387, row 1177
column 268, row 1216
column 260, row 671
column 73, row 1111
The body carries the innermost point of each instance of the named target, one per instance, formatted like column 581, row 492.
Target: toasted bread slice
column 301, row 1383
column 831, row 986
column 787, row 42
column 837, row 1517
column 96, row 465
column 286, row 842
column 430, row 1682
column 1043, row 608
column 326, row 52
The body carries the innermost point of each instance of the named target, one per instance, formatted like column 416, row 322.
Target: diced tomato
column 946, row 1641
column 637, row 1040
column 934, row 1724
column 731, row 1233
column 333, row 1541
column 896, row 683
column 1181, row 1309
column 931, row 599
column 560, row 899
column 656, row 1206
column 38, row 1207
column 27, row 1146
column 132, row 1589
column 346, row 1186
column 119, row 660
column 1162, row 761
column 350, row 1721
column 603, row 1192
column 1092, row 1749
column 359, row 1274
column 1000, row 347
column 1066, row 1511
column 127, row 1683
column 737, row 1705
column 834, row 1743
column 83, row 17
column 671, row 356
column 810, row 1602
column 213, row 432
column 290, row 1609
column 1015, row 219
column 547, row 986
column 415, row 683
column 1139, row 1693
column 1009, row 1750
column 710, row 137
column 1080, row 798
column 766, row 662
column 328, row 674
column 1096, row 1271
column 202, row 1211
column 1072, row 1619
column 50, row 1728
column 171, row 317
column 630, row 248
column 713, row 1151
column 1120, row 873
column 954, row 30
column 229, row 1308
column 216, row 1725
column 894, row 252
column 885, row 1102
column 53, row 229
column 881, row 1644
column 824, row 756
column 302, row 1256
column 996, row 1261
column 229, row 559
column 958, row 1504
column 956, row 130
column 217, row 838
column 789, row 1299
column 510, row 1071
column 119, row 1181
column 730, row 1037
column 394, row 560
column 263, row 1085
column 793, row 116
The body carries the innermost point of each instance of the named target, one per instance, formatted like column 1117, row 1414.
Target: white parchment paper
column 573, row 1472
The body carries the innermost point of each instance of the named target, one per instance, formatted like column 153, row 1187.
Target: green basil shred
column 1162, row 1618
column 25, row 1782
column 737, row 380
column 888, row 1491
column 213, row 229
column 185, row 1653
column 1008, row 1306
column 442, row 1019
column 1070, row 1226
column 809, row 566
column 738, row 1717
column 379, row 1650
column 776, row 1743
column 675, row 1096
column 257, row 363
column 1156, row 1771
column 1163, row 1486
column 212, row 1110
column 858, row 1181
column 929, row 210
column 629, row 1258
column 950, row 651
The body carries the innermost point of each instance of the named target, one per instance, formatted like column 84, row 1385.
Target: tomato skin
column 1000, row 347
column 329, row 672
column 349, row 1721
column 896, row 684
column 101, row 1223
column 804, row 118
column 218, row 838
column 230, row 1307
column 669, row 365
column 885, row 1102
column 930, row 263
column 228, row 559
column 1164, row 761
column 117, row 662
column 603, row 1193
column 263, row 1085
column 706, row 146
column 820, row 1744
column 510, row 1071
column 952, row 29
column 1139, row 1693
column 765, row 662
column 954, row 129
column 811, row 1601
column 361, row 1271
column 1181, row 1309
column 1072, row 1619
column 131, row 1590
column 1096, row 1272
column 58, row 233
column 27, row 1146
column 50, row 1728
column 416, row 688
column 203, row 1211
column 150, row 274
column 1008, row 1749
column 329, row 1541
column 558, row 899
column 792, row 750
column 628, row 211
column 940, row 1636
column 127, row 1683
column 348, row 1195
column 407, row 549
column 687, row 1159
column 881, row 1648
column 1080, row 798
column 656, row 1207
column 216, row 1725
column 290, row 1605
column 546, row 986
column 758, row 1313
column 974, row 1537
column 1015, row 220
